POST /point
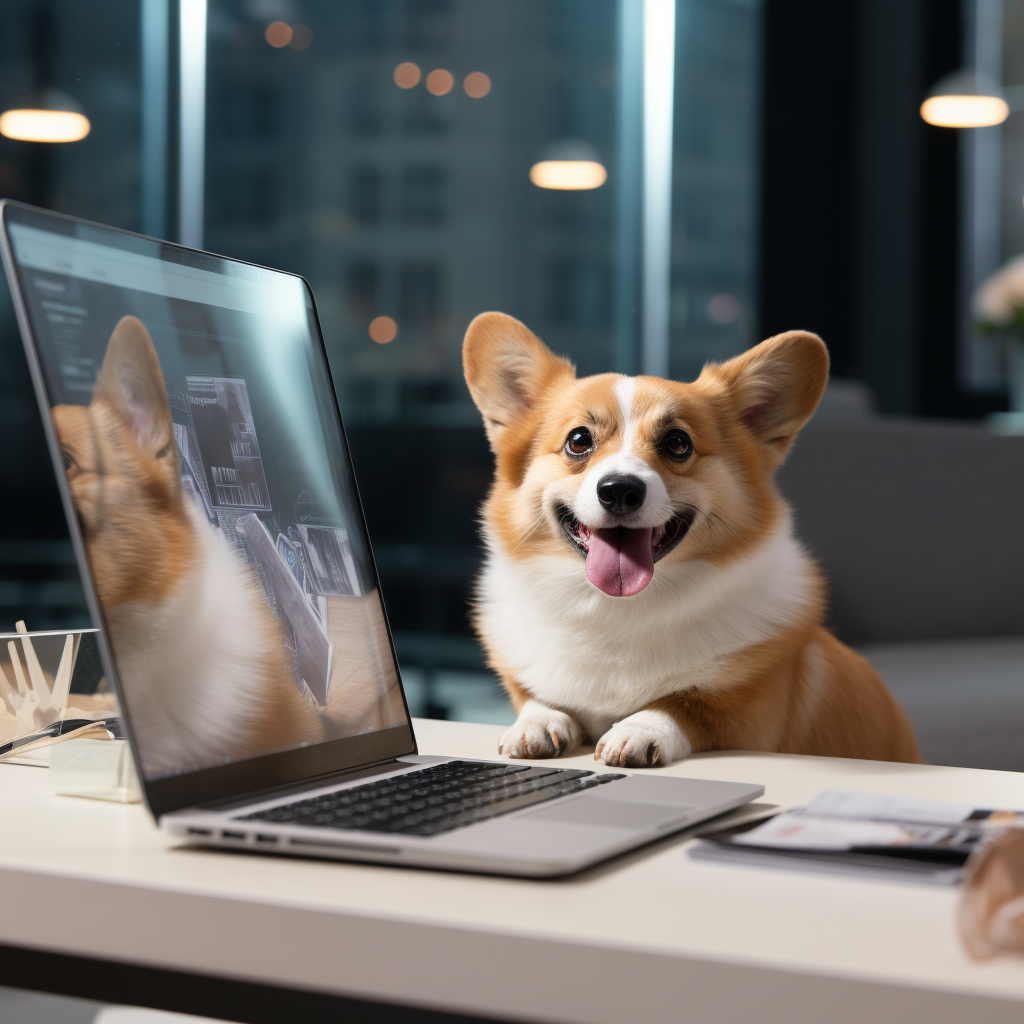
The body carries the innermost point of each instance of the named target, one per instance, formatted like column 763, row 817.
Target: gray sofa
column 919, row 527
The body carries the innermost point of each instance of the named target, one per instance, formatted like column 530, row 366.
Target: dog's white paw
column 540, row 731
column 642, row 741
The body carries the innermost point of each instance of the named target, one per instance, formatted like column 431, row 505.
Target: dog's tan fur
column 796, row 689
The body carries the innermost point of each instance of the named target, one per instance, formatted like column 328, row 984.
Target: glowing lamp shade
column 30, row 125
column 965, row 99
column 47, row 116
column 569, row 164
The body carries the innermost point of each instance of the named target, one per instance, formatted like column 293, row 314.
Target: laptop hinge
column 314, row 782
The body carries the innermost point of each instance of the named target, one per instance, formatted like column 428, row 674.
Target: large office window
column 92, row 53
column 383, row 149
column 400, row 137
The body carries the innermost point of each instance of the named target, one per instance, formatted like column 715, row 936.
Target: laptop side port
column 199, row 832
column 265, row 839
column 232, row 835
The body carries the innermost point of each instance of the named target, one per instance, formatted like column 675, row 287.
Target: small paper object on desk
column 100, row 769
column 35, row 688
column 864, row 833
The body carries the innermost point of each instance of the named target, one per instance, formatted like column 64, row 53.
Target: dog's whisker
column 535, row 527
column 700, row 537
column 711, row 517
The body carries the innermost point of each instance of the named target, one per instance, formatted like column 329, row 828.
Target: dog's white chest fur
column 603, row 658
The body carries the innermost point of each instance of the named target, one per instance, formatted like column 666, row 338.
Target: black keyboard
column 435, row 799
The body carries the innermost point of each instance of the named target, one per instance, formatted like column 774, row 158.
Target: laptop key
column 435, row 799
column 446, row 824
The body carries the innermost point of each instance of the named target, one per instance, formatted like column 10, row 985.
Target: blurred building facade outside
column 382, row 149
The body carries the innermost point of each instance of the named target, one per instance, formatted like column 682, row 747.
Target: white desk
column 652, row 936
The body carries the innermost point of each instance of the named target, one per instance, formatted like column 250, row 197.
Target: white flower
column 999, row 297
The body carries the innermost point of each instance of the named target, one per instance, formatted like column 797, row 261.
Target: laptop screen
column 205, row 460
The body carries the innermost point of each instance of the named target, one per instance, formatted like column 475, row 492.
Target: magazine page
column 847, row 803
column 870, row 828
column 800, row 831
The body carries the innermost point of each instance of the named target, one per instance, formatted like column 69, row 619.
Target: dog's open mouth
column 620, row 560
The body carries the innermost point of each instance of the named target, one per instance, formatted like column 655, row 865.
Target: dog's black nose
column 621, row 494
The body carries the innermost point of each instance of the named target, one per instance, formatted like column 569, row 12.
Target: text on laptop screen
column 211, row 480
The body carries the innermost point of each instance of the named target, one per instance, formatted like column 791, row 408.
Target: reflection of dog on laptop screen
column 214, row 674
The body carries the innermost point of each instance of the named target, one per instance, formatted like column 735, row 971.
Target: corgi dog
column 643, row 589
column 199, row 649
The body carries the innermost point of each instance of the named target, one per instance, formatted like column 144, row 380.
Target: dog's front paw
column 540, row 732
column 642, row 741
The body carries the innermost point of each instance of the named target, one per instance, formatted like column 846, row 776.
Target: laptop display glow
column 209, row 474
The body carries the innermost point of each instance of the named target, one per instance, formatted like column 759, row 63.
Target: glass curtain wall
column 91, row 54
column 715, row 161
column 383, row 149
column 993, row 214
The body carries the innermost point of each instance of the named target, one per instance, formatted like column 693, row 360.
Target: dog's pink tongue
column 619, row 561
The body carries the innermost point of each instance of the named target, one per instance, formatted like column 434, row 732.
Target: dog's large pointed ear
column 507, row 369
column 776, row 386
column 132, row 382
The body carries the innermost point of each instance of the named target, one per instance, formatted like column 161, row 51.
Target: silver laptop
column 208, row 487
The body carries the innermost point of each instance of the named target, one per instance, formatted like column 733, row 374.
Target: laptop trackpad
column 612, row 813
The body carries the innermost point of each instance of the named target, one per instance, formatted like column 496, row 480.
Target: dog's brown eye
column 676, row 444
column 68, row 460
column 579, row 442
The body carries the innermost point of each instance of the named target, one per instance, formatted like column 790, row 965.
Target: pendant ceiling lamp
column 965, row 99
column 48, row 115
column 570, row 164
